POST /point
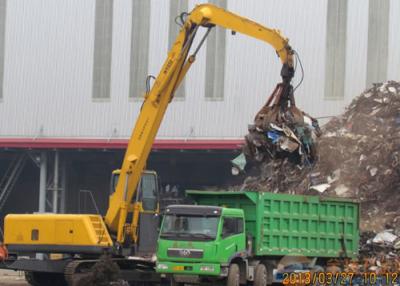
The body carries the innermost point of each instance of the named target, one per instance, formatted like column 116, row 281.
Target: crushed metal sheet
column 320, row 188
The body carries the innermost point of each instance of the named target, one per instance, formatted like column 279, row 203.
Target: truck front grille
column 185, row 253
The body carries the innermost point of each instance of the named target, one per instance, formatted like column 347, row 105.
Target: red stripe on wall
column 66, row 143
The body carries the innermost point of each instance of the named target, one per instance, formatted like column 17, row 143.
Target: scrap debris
column 356, row 156
column 280, row 130
column 105, row 273
column 379, row 253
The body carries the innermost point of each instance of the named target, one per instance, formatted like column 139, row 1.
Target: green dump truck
column 236, row 237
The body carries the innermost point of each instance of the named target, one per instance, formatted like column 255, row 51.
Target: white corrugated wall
column 49, row 63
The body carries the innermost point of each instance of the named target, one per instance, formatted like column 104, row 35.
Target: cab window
column 232, row 226
column 148, row 191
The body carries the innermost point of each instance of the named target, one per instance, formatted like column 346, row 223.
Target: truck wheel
column 233, row 275
column 260, row 275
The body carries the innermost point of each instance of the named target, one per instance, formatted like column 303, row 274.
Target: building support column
column 63, row 185
column 42, row 183
column 42, row 189
column 55, row 182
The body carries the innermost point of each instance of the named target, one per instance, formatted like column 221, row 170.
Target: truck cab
column 200, row 241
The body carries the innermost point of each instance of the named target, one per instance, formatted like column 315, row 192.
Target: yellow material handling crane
column 133, row 205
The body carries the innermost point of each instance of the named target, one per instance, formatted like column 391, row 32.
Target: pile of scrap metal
column 358, row 157
column 280, row 130
column 379, row 253
column 378, row 261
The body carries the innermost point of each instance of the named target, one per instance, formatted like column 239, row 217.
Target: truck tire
column 233, row 275
column 260, row 275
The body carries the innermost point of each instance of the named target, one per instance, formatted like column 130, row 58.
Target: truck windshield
column 185, row 227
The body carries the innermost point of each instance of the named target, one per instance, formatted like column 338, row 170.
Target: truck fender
column 242, row 255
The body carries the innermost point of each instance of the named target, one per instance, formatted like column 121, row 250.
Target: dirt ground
column 12, row 278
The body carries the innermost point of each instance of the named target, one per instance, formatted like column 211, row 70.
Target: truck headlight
column 207, row 268
column 162, row 266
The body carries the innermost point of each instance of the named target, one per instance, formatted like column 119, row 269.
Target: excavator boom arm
column 208, row 14
column 157, row 99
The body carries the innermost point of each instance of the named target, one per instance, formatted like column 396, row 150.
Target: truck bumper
column 184, row 268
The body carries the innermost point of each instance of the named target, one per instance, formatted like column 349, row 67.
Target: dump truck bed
column 283, row 224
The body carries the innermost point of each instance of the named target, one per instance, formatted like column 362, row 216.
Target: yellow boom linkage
column 122, row 201
column 157, row 100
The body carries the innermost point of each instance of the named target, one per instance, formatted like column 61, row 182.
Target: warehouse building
column 73, row 73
